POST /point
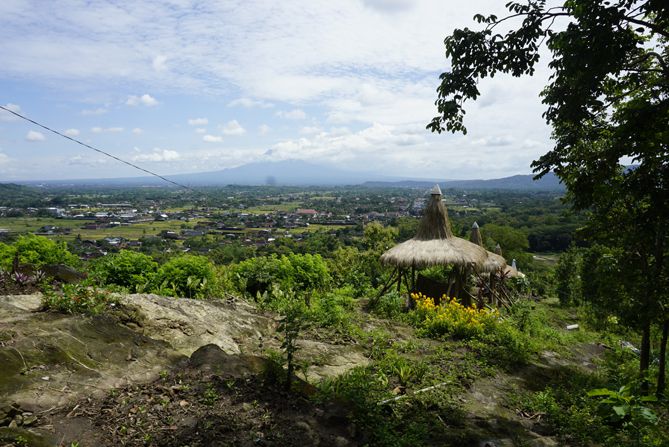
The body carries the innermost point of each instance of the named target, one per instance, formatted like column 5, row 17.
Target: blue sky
column 186, row 86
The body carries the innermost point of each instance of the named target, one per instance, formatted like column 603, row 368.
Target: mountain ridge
column 302, row 173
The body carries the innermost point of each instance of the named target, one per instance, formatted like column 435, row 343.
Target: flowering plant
column 451, row 318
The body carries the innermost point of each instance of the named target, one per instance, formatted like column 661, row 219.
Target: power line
column 96, row 149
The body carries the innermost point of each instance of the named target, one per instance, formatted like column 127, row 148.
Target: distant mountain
column 302, row 173
column 287, row 172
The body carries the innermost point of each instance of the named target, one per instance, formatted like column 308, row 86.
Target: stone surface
column 84, row 356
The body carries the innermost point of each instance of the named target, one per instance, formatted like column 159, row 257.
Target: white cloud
column 200, row 130
column 106, row 129
column 310, row 130
column 212, row 139
column 72, row 132
column 145, row 100
column 6, row 116
column 250, row 103
column 137, row 131
column 4, row 159
column 158, row 155
column 198, row 121
column 232, row 128
column 159, row 63
column 264, row 129
column 295, row 114
column 389, row 5
column 33, row 135
column 94, row 112
column 500, row 140
column 88, row 160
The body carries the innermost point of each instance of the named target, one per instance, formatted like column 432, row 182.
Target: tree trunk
column 663, row 359
column 644, row 360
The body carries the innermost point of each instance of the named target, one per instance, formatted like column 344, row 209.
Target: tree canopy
column 607, row 101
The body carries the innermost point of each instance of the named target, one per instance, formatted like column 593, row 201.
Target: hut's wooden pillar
column 400, row 271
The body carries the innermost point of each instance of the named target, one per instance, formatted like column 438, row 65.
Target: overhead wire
column 88, row 146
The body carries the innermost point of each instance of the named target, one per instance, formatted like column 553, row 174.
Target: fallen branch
column 423, row 390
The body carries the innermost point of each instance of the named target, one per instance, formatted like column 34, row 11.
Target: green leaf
column 621, row 410
column 601, row 392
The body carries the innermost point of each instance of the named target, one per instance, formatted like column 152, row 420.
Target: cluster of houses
column 246, row 226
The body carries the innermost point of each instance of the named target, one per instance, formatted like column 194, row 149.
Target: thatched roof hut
column 434, row 243
column 510, row 270
column 475, row 235
column 494, row 262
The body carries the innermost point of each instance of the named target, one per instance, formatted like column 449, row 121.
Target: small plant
column 79, row 299
column 625, row 408
column 450, row 318
column 209, row 396
column 290, row 326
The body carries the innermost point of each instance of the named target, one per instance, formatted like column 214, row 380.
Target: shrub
column 126, row 268
column 297, row 272
column 185, row 276
column 37, row 251
column 79, row 299
column 450, row 318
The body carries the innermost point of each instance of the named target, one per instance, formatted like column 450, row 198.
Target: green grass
column 23, row 225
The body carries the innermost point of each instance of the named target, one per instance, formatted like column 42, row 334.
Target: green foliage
column 609, row 111
column 79, row 299
column 568, row 277
column 624, row 407
column 186, row 276
column 345, row 266
column 299, row 272
column 126, row 268
column 37, row 251
column 389, row 306
column 290, row 326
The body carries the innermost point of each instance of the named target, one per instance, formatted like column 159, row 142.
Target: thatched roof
column 434, row 224
column 475, row 235
column 420, row 253
column 434, row 243
column 512, row 272
column 494, row 262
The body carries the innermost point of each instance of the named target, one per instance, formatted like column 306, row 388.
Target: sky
column 182, row 86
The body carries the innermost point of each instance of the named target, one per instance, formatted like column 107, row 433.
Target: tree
column 608, row 104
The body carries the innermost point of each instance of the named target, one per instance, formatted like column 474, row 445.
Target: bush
column 126, row 268
column 568, row 276
column 296, row 272
column 79, row 299
column 37, row 251
column 185, row 276
column 450, row 318
column 389, row 305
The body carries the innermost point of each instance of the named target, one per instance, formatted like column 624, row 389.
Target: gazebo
column 435, row 244
column 494, row 262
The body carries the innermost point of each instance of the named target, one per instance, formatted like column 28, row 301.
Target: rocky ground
column 56, row 369
column 176, row 372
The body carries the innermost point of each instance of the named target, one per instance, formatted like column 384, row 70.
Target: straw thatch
column 434, row 243
column 512, row 272
column 493, row 262
column 434, row 224
column 475, row 235
column 421, row 254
